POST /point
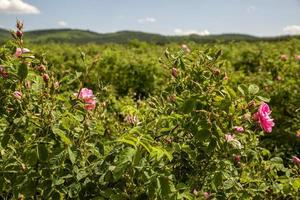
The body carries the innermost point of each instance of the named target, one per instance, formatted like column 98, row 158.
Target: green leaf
column 42, row 152
column 5, row 139
column 62, row 135
column 264, row 99
column 23, row 71
column 31, row 157
column 188, row 105
column 72, row 155
column 253, row 89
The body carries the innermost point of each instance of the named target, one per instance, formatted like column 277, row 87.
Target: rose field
column 181, row 120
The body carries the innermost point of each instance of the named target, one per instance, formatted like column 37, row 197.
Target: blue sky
column 169, row 17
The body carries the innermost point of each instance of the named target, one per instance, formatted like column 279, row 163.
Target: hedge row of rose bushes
column 201, row 135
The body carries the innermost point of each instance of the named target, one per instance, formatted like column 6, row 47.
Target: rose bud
column 19, row 33
column 17, row 95
column 174, row 72
column 237, row 159
column 41, row 68
column 46, row 77
column 28, row 84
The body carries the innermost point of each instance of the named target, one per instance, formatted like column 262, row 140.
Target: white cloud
column 17, row 7
column 146, row 20
column 292, row 30
column 179, row 31
column 251, row 9
column 62, row 23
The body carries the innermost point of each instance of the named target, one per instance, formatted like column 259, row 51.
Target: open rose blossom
column 296, row 160
column 88, row 98
column 262, row 116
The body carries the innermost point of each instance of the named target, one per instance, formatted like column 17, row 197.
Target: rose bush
column 201, row 136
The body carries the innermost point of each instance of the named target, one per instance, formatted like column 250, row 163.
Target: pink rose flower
column 296, row 160
column 239, row 129
column 17, row 95
column 88, row 98
column 262, row 116
column 18, row 52
column 298, row 57
column 90, row 104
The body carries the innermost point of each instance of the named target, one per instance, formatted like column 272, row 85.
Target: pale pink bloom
column 239, row 129
column 229, row 137
column 298, row 57
column 283, row 57
column 262, row 116
column 296, row 160
column 87, row 96
column 85, row 93
column 206, row 195
column 18, row 52
column 185, row 48
column 17, row 95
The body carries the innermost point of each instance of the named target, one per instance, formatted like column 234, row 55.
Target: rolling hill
column 77, row 36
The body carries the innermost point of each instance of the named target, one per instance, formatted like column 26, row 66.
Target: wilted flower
column 185, row 48
column 263, row 118
column 296, row 160
column 239, row 129
column 283, row 57
column 17, row 95
column 87, row 96
column 131, row 119
column 234, row 142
